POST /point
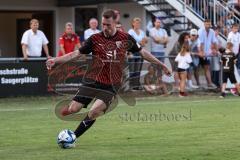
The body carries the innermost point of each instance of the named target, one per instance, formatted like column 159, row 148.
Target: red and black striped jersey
column 108, row 56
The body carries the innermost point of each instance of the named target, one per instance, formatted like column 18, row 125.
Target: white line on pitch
column 22, row 109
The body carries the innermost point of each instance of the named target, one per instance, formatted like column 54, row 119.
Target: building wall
column 132, row 9
column 61, row 14
column 8, row 44
column 26, row 4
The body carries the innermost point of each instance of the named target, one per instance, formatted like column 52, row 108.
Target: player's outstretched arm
column 67, row 57
column 150, row 58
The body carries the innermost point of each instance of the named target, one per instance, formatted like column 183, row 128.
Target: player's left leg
column 98, row 108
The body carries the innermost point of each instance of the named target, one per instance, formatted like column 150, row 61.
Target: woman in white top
column 135, row 60
column 184, row 60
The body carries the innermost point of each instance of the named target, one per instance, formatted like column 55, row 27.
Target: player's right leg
column 73, row 107
column 223, row 94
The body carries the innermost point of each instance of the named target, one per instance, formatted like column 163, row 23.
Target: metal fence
column 218, row 11
column 67, row 77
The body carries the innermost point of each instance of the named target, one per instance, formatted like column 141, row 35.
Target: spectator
column 135, row 66
column 153, row 84
column 208, row 48
column 69, row 41
column 228, row 60
column 183, row 38
column 184, row 59
column 159, row 39
column 93, row 24
column 223, row 27
column 234, row 38
column 193, row 49
column 232, row 3
column 215, row 60
column 33, row 40
column 230, row 20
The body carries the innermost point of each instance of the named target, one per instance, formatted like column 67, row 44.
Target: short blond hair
column 33, row 21
column 136, row 19
column 68, row 24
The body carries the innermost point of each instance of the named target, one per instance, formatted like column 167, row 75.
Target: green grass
column 194, row 128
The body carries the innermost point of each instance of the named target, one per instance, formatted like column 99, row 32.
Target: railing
column 160, row 8
column 220, row 14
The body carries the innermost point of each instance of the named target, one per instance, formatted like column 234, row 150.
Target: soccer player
column 104, row 77
column 228, row 60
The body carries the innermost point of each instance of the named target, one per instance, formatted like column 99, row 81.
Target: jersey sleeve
column 77, row 40
column 61, row 41
column 165, row 33
column 87, row 47
column 151, row 32
column 86, row 35
column 25, row 38
column 134, row 46
column 130, row 32
column 44, row 39
column 234, row 57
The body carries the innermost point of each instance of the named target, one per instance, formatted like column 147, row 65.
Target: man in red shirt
column 69, row 41
column 104, row 76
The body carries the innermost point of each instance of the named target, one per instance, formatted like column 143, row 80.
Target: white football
column 66, row 139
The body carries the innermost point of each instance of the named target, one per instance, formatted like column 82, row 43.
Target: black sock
column 84, row 126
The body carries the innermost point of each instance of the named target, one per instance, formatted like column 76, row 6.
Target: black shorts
column 204, row 61
column 88, row 91
column 229, row 75
column 181, row 70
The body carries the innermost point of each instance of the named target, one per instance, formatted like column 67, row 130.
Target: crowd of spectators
column 193, row 50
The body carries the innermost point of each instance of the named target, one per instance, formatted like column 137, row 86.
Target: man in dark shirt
column 228, row 60
column 104, row 77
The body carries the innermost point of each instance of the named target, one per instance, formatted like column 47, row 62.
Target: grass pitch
column 164, row 128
